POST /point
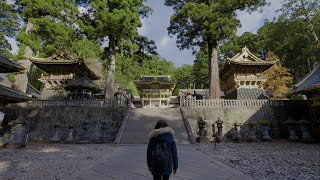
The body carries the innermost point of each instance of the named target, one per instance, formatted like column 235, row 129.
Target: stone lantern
column 202, row 131
column 104, row 138
column 219, row 123
column 56, row 133
column 85, row 139
column 19, row 133
column 236, row 136
column 305, row 128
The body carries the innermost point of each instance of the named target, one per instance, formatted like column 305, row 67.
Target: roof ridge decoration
column 56, row 57
column 247, row 57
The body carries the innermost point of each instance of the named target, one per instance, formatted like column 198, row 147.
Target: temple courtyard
column 278, row 159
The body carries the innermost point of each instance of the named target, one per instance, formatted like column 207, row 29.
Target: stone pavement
column 128, row 162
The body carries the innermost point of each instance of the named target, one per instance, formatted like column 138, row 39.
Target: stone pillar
column 293, row 136
column 265, row 133
column 104, row 138
column 19, row 133
column 220, row 130
column 56, row 135
column 70, row 135
column 85, row 139
column 305, row 128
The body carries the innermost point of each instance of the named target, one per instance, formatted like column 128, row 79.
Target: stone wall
column 230, row 115
column 40, row 121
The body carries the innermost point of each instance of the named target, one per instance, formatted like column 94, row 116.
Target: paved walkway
column 128, row 162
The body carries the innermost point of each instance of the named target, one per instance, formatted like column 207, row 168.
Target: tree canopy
column 206, row 23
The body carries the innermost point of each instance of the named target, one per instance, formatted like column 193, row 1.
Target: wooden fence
column 192, row 102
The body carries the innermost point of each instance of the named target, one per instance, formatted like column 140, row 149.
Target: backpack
column 161, row 158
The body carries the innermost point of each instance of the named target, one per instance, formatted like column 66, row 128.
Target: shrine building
column 310, row 87
column 241, row 76
column 67, row 77
column 155, row 91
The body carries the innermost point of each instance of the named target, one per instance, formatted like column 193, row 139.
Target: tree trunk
column 21, row 82
column 214, row 80
column 111, row 69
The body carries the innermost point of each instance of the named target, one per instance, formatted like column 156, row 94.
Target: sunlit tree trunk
column 214, row 80
column 111, row 69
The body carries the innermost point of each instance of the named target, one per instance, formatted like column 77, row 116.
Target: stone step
column 142, row 121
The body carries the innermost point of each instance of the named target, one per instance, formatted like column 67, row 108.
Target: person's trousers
column 158, row 177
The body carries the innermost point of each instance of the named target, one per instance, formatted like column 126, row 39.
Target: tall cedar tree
column 114, row 21
column 50, row 26
column 302, row 9
column 207, row 22
column 8, row 26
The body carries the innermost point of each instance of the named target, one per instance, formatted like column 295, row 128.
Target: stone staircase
column 142, row 120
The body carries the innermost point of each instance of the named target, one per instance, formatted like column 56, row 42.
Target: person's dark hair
column 161, row 124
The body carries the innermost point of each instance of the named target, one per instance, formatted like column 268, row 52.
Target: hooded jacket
column 163, row 134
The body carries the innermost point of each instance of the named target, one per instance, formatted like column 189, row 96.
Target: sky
column 155, row 28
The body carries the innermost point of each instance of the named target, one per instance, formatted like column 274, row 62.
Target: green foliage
column 8, row 26
column 184, row 77
column 251, row 124
column 52, row 25
column 264, row 122
column 201, row 69
column 11, row 77
column 34, row 75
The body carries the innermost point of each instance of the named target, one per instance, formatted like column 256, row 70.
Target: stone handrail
column 123, row 124
column 86, row 102
column 192, row 102
column 188, row 127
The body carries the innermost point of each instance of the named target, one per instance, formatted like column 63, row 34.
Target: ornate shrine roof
column 64, row 64
column 247, row 59
column 310, row 82
column 154, row 82
column 83, row 83
column 7, row 66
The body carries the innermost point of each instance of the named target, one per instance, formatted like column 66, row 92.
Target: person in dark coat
column 162, row 132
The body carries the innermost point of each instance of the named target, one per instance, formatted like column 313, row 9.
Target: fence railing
column 87, row 102
column 193, row 102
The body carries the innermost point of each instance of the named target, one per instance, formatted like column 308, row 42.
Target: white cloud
column 252, row 22
column 166, row 42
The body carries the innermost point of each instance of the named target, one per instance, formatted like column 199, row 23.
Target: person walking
column 162, row 155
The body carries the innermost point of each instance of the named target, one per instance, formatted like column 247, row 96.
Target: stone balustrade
column 86, row 102
column 57, row 77
column 193, row 102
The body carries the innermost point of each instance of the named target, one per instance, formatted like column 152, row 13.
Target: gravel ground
column 49, row 161
column 269, row 160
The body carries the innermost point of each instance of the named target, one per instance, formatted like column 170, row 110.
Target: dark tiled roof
column 309, row 82
column 10, row 95
column 247, row 94
column 155, row 78
column 7, row 66
column 83, row 83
